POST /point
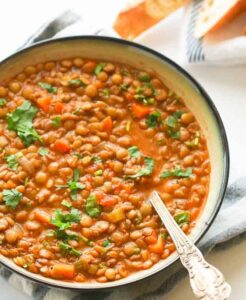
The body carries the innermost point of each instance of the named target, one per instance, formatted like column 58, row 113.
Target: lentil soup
column 83, row 143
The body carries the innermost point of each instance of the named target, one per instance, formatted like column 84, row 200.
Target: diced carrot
column 108, row 201
column 140, row 111
column 158, row 247
column 44, row 103
column 61, row 146
column 107, row 124
column 59, row 106
column 129, row 96
column 152, row 239
column 99, row 84
column 62, row 271
column 42, row 216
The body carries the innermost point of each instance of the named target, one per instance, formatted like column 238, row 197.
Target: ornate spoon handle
column 206, row 281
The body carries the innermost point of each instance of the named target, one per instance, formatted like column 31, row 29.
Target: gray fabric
column 229, row 227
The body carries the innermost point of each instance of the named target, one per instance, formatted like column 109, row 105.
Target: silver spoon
column 206, row 281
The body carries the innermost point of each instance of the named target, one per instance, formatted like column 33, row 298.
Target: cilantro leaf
column 153, row 119
column 3, row 101
column 91, row 206
column 99, row 68
column 98, row 172
column 182, row 217
column 106, row 243
column 124, row 86
column 12, row 160
column 134, row 152
column 66, row 236
column 106, row 92
column 68, row 250
column 12, row 197
column 66, row 203
column 20, row 121
column 64, row 221
column 76, row 82
column 43, row 151
column 144, row 77
column 172, row 123
column 56, row 122
column 96, row 159
column 177, row 172
column 48, row 87
column 146, row 171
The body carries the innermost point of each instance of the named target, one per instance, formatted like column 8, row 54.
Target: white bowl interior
column 174, row 79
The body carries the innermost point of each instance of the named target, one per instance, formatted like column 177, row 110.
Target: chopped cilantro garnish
column 147, row 169
column 98, row 173
column 106, row 92
column 91, row 206
column 12, row 160
column 12, row 197
column 66, row 203
column 68, row 250
column 3, row 101
column 20, row 121
column 48, row 87
column 56, row 122
column 182, row 217
column 76, row 82
column 64, row 221
column 173, row 125
column 134, row 152
column 43, row 151
column 124, row 86
column 73, row 185
column 144, row 77
column 96, row 159
column 106, row 243
column 153, row 119
column 99, row 68
column 177, row 172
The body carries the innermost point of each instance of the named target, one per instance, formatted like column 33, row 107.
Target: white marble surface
column 226, row 86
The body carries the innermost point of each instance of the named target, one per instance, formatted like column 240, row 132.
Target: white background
column 226, row 86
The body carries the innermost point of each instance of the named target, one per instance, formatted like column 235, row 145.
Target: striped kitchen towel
column 225, row 46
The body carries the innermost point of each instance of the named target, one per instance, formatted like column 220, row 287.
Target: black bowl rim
column 206, row 97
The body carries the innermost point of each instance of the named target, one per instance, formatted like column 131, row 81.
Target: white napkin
column 226, row 46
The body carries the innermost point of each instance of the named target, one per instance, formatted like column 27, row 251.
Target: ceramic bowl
column 174, row 77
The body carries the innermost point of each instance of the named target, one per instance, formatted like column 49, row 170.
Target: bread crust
column 132, row 22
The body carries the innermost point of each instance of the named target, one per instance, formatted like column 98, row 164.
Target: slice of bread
column 215, row 13
column 141, row 15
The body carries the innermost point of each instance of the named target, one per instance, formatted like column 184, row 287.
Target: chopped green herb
column 12, row 198
column 3, row 101
column 64, row 221
column 106, row 92
column 98, row 173
column 26, row 181
column 21, row 122
column 128, row 125
column 12, row 160
column 56, row 122
column 144, row 77
column 66, row 236
column 106, row 243
column 68, row 250
column 73, row 185
column 173, row 125
column 177, row 172
column 43, row 151
column 99, row 68
column 80, row 156
column 182, row 217
column 77, row 111
column 85, row 240
column 124, row 86
column 134, row 152
column 153, row 119
column 76, row 82
column 91, row 206
column 146, row 171
column 96, row 159
column 66, row 203
column 48, row 87
column 195, row 142
column 164, row 235
column 50, row 233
